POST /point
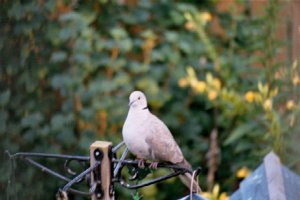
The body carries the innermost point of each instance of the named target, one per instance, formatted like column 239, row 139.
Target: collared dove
column 148, row 138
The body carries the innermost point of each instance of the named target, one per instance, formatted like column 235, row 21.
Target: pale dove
column 148, row 138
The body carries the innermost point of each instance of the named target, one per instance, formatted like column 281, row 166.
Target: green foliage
column 67, row 70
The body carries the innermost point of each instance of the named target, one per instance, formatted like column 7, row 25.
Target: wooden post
column 101, row 151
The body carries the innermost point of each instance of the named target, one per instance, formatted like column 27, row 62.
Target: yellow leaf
column 260, row 86
column 292, row 120
column 209, row 78
column 257, row 97
column 216, row 190
column 188, row 16
column 294, row 65
column 274, row 92
column 149, row 191
column 264, row 89
column 191, row 72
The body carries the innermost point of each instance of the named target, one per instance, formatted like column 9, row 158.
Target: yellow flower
column 200, row 86
column 189, row 26
column 215, row 194
column 268, row 105
column 182, row 82
column 206, row 194
column 223, row 196
column 212, row 95
column 243, row 172
column 205, row 17
column 296, row 80
column 216, row 83
column 290, row 104
column 193, row 82
column 249, row 96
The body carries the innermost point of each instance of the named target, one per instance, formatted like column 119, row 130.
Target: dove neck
column 133, row 112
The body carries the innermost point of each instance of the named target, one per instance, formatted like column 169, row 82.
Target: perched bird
column 148, row 138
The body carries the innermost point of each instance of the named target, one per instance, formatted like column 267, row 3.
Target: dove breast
column 134, row 137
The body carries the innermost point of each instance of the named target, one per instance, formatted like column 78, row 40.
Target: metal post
column 100, row 151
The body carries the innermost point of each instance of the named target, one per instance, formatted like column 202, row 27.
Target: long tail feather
column 186, row 180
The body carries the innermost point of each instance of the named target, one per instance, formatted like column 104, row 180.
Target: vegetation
column 67, row 68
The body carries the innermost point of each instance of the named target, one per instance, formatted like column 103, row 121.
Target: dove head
column 137, row 100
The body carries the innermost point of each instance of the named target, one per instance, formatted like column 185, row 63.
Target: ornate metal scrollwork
column 117, row 167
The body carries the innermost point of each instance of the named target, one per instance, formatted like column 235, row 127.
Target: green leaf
column 3, row 120
column 57, row 122
column 240, row 131
column 31, row 120
column 118, row 33
column 4, row 97
column 58, row 56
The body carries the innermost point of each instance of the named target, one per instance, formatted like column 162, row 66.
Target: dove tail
column 187, row 178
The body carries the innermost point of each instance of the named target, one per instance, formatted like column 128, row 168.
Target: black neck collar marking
column 145, row 108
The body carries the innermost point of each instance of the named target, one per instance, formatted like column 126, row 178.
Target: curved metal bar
column 67, row 168
column 88, row 194
column 156, row 180
column 53, row 173
column 80, row 176
column 47, row 155
column 160, row 165
column 74, row 191
column 116, row 148
column 119, row 164
column 47, row 170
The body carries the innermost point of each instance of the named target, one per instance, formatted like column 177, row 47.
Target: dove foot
column 141, row 163
column 153, row 165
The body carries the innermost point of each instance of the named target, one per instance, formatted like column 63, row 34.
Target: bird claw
column 153, row 165
column 141, row 164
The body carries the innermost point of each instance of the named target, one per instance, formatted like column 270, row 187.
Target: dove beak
column 130, row 103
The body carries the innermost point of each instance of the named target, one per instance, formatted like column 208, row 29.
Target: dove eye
column 139, row 98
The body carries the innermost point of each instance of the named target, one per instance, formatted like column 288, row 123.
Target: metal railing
column 92, row 174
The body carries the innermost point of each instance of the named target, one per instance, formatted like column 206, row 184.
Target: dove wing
column 162, row 145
